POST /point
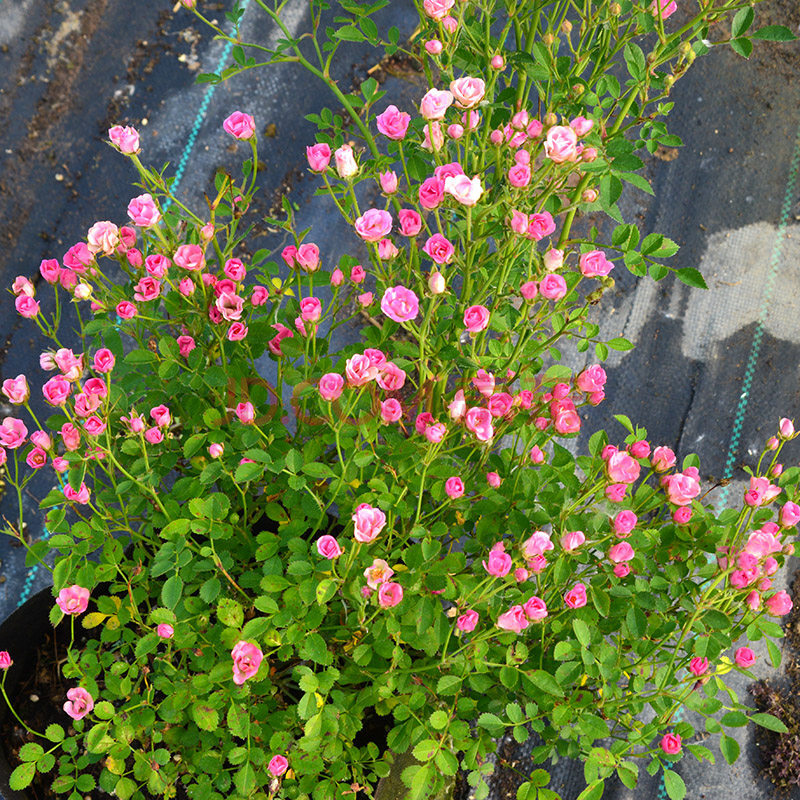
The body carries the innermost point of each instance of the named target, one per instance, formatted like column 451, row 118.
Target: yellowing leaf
column 93, row 620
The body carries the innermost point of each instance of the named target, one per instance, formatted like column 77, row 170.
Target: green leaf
column 634, row 58
column 546, row 682
column 245, row 779
column 230, row 613
column 448, row 685
column 205, row 717
column 691, row 277
column 673, row 783
column 22, row 776
column 769, row 722
column 582, row 633
column 349, row 33
column 742, row 46
column 439, row 719
column 171, row 591
column 620, row 343
column 734, row 719
column 594, row 791
column 491, row 723
column 729, row 748
column 774, row 653
column 318, row 470
column 774, row 33
column 238, row 721
column 30, row 751
column 742, row 21
column 54, row 733
column 325, row 590
column 425, row 750
column 63, row 783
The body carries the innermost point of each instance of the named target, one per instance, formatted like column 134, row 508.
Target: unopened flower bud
column 498, row 62
column 776, row 470
column 455, row 131
column 786, row 428
column 615, row 9
column 436, row 283
column 685, row 48
column 772, row 443
column 566, row 27
column 578, row 89
column 589, row 196
column 433, row 47
column 548, row 39
column 550, row 119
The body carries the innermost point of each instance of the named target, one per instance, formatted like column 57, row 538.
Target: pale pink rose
column 670, row 743
column 389, row 594
column 369, row 522
column 663, row 459
column 761, row 492
column 391, row 410
column 437, row 9
column 493, row 479
column 467, row 621
column 436, row 283
column 454, row 487
column 103, row 236
column 328, row 547
column 553, row 286
column 73, row 599
column 581, row 125
column 665, row 7
column 247, row 659
column 359, row 370
column 235, row 270
column 22, row 285
column 455, row 131
column 393, row 123
column 622, row 551
column 622, row 468
column 378, row 573
column 307, row 256
column 79, row 703
column 143, row 211
column 186, row 287
column 190, row 257
column 439, row 249
column 535, row 608
column 42, row 440
column 681, row 488
column 376, row 357
column 319, row 157
column 5, row 659
column 126, row 139
column 497, row 62
column 240, row 125
column 519, row 222
column 373, row 225
column 464, row 190
column 310, row 309
column 331, row 386
column 160, row 415
column 154, row 436
column 387, row 249
column 457, row 406
column 561, row 144
column 16, row 389
column 536, row 545
column 540, row 225
column 450, row 24
column 615, row 493
column 476, row 319
column 410, row 222
column 345, row 162
column 467, row 92
column 165, row 631
column 388, row 181
column 553, row 259
column 484, row 382
column 513, row 620
column 71, row 437
column 435, row 104
column 216, row 450
column 400, row 304
column 594, row 264
column 576, row 596
column 789, row 515
column 744, row 658
column 572, row 540
column 786, row 428
column 479, row 423
column 433, row 138
column 12, row 433
column 278, row 765
column 499, row 563
column 390, row 377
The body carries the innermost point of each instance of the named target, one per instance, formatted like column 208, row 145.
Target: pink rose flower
column 622, row 468
column 16, row 389
column 319, row 157
column 26, row 306
column 73, row 599
column 624, row 523
column 369, row 522
column 126, row 139
column 540, row 225
column 240, row 125
column 5, row 659
column 79, row 703
column 278, row 765
column 359, row 370
column 50, row 269
column 388, row 182
column 12, row 433
column 779, row 604
column 479, row 423
column 346, row 165
column 698, row 666
column 379, row 572
column 576, row 596
column 594, row 264
column 143, row 211
column 185, row 345
column 247, row 659
column 410, row 222
column 439, row 249
column 190, row 257
column 391, row 410
column 374, row 225
column 389, row 594
column 476, row 319
column 519, row 176
column 620, row 552
column 513, row 620
column 165, row 631
column 393, row 123
column 665, row 7
column 671, row 744
column 467, row 621
column 454, row 487
column 499, row 563
column 390, row 377
column 431, row 193
column 553, row 286
column 400, row 304
column 493, row 479
column 572, row 540
column 464, row 190
column 467, row 92
column 435, row 103
column 437, row 9
column 536, row 545
column 328, row 547
column 744, row 657
column 663, row 459
column 681, row 488
column 535, row 608
column 561, row 144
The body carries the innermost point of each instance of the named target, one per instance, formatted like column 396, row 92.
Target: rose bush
column 415, row 542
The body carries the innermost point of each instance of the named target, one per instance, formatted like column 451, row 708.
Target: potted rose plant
column 410, row 540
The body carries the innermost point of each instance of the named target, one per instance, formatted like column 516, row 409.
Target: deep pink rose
column 12, row 433
column 479, row 422
column 247, row 659
column 467, row 621
column 499, row 563
column 576, row 596
column 389, row 594
column 369, row 522
column 681, row 488
column 410, row 222
column 622, row 468
column 73, row 599
column 278, row 765
column 393, row 123
column 476, row 319
column 126, row 139
column 319, row 157
column 744, row 657
column 240, row 125
column 400, row 304
column 671, row 744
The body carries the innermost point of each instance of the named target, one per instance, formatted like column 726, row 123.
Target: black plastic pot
column 21, row 634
